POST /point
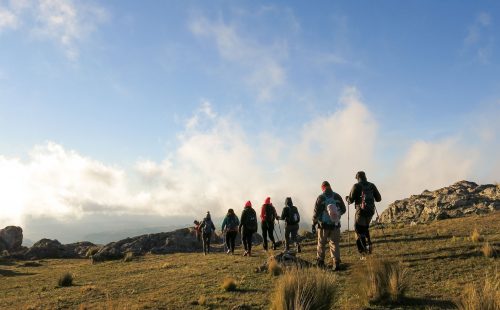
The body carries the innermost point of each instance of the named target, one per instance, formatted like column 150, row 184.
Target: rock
column 285, row 260
column 11, row 238
column 47, row 248
column 463, row 198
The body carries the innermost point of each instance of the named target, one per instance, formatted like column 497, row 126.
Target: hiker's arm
column 262, row 213
column 376, row 194
column 223, row 224
column 276, row 214
column 353, row 194
column 284, row 214
column 317, row 207
column 242, row 221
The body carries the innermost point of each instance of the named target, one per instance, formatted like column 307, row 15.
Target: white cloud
column 262, row 63
column 68, row 23
column 7, row 19
column 477, row 38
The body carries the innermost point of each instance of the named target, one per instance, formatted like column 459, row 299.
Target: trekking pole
column 279, row 226
column 348, row 232
column 224, row 240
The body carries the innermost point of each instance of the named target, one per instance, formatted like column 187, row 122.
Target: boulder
column 47, row 248
column 463, row 198
column 11, row 238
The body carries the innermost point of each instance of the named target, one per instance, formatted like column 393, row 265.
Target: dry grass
column 65, row 280
column 202, row 300
column 274, row 268
column 488, row 250
column 383, row 281
column 485, row 297
column 475, row 236
column 305, row 289
column 91, row 251
column 129, row 256
column 229, row 284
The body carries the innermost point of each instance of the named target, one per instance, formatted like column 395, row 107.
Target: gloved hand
column 313, row 229
column 347, row 199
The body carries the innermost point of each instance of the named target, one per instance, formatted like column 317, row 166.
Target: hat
column 248, row 204
column 267, row 201
column 325, row 184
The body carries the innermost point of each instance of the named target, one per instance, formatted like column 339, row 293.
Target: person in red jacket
column 267, row 217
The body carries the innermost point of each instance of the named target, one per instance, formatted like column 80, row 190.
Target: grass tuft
column 304, row 289
column 475, row 236
column 229, row 284
column 383, row 281
column 91, row 251
column 274, row 268
column 485, row 297
column 129, row 256
column 202, row 300
column 65, row 280
column 488, row 250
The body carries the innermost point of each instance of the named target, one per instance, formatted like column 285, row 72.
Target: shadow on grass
column 448, row 256
column 11, row 273
column 7, row 263
column 428, row 303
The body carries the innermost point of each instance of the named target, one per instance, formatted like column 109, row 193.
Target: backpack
column 251, row 220
column 232, row 223
column 208, row 226
column 367, row 207
column 269, row 213
column 331, row 214
column 293, row 216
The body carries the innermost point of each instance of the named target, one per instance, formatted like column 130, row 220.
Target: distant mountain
column 460, row 199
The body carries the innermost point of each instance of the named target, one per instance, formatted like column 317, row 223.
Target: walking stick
column 348, row 232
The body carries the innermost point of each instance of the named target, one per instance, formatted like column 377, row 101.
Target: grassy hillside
column 440, row 258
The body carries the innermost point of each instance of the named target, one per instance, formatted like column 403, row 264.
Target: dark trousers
column 206, row 242
column 291, row 235
column 267, row 230
column 246, row 238
column 362, row 237
column 231, row 240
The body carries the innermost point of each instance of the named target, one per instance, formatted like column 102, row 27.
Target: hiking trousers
column 231, row 239
column 206, row 242
column 363, row 240
column 291, row 232
column 246, row 238
column 267, row 230
column 332, row 237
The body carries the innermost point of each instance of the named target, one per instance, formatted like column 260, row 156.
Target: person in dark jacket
column 328, row 208
column 364, row 195
column 207, row 227
column 230, row 226
column 291, row 216
column 248, row 226
column 267, row 217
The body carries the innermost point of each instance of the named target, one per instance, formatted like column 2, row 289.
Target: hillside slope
column 439, row 256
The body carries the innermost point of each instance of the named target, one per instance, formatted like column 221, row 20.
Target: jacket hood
column 288, row 201
column 267, row 201
column 248, row 204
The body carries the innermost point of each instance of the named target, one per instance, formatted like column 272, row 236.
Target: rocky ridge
column 463, row 198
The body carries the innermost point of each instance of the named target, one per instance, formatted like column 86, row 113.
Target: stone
column 11, row 238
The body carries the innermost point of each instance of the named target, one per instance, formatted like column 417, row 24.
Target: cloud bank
column 218, row 165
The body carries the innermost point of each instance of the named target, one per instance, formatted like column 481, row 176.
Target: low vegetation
column 475, row 236
column 65, row 280
column 488, row 250
column 274, row 268
column 229, row 284
column 305, row 289
column 481, row 297
column 435, row 272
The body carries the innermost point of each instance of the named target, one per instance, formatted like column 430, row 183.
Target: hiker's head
column 325, row 185
column 361, row 176
column 230, row 212
column 267, row 201
column 208, row 215
column 288, row 201
column 248, row 204
column 196, row 222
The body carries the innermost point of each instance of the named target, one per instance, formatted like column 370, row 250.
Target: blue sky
column 129, row 87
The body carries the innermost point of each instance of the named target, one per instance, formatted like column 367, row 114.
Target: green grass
column 437, row 271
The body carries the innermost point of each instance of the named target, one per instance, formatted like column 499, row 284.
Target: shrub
column 65, row 280
column 475, row 236
column 305, row 289
column 129, row 256
column 488, row 250
column 486, row 296
column 383, row 281
column 229, row 284
column 274, row 268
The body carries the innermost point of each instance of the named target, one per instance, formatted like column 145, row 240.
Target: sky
column 120, row 110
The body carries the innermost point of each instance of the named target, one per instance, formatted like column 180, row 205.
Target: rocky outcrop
column 11, row 238
column 460, row 199
column 47, row 248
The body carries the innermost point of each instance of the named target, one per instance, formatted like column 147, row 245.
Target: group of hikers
column 328, row 209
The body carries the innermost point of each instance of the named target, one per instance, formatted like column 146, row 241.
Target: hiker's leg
column 294, row 230
column 264, row 234
column 249, row 241
column 322, row 239
column 359, row 231
column 288, row 232
column 232, row 237
column 209, row 237
column 334, row 239
column 270, row 228
column 228, row 239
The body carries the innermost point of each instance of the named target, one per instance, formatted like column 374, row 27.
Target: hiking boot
column 249, row 253
column 228, row 252
column 362, row 257
column 299, row 250
column 320, row 264
column 336, row 266
column 246, row 253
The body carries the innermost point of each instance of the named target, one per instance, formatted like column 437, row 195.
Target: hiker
column 230, row 228
column 207, row 227
column 291, row 216
column 363, row 194
column 197, row 230
column 248, row 226
column 328, row 209
column 267, row 217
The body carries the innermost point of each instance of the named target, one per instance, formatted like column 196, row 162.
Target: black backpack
column 208, row 226
column 367, row 207
column 250, row 220
column 293, row 216
column 269, row 216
